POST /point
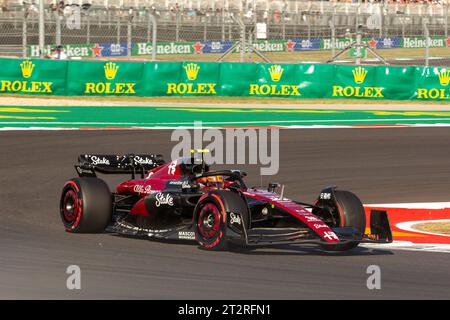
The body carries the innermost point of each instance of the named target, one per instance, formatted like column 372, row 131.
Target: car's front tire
column 351, row 214
column 85, row 205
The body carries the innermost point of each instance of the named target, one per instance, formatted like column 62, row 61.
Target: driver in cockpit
column 213, row 182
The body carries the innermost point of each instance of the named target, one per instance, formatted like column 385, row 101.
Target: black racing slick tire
column 210, row 218
column 351, row 214
column 86, row 205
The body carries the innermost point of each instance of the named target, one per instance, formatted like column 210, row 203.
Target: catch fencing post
column 24, row 32
column 427, row 41
column 242, row 48
column 446, row 18
column 57, row 26
column 205, row 30
column 177, row 26
column 88, row 27
column 41, row 29
column 129, row 31
column 358, row 45
column 223, row 20
column 155, row 33
column 149, row 26
column 118, row 28
column 333, row 37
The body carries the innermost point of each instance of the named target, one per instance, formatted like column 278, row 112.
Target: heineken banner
column 220, row 47
column 309, row 81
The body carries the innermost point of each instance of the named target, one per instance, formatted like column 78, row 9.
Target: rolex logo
column 276, row 72
column 110, row 70
column 444, row 77
column 359, row 74
column 27, row 68
column 192, row 70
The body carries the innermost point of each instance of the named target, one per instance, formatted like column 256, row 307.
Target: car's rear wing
column 89, row 164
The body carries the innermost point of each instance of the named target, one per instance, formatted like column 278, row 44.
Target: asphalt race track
column 380, row 165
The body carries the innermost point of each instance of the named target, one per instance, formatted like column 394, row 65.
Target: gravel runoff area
column 14, row 100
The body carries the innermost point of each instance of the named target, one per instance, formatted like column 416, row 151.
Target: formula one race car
column 185, row 200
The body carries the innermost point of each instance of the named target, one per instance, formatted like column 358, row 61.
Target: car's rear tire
column 85, row 205
column 351, row 214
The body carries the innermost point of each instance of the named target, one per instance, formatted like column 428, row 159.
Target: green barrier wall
column 82, row 78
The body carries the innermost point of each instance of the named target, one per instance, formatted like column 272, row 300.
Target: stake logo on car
column 162, row 198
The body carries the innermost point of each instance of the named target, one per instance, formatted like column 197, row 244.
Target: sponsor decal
column 269, row 46
column 186, row 235
column 198, row 47
column 373, row 43
column 139, row 188
column 114, row 49
column 325, row 196
column 175, row 182
column 110, row 69
column 217, row 46
column 192, row 71
column 312, row 219
column 443, row 78
column 27, row 68
column 235, row 218
column 290, row 45
column 25, row 86
column 338, row 43
column 359, row 76
column 84, row 171
column 330, row 235
column 320, row 225
column 140, row 160
column 184, row 184
column 96, row 160
column 96, row 50
column 71, row 50
column 276, row 73
column 171, row 168
column 422, row 42
column 163, row 199
column 143, row 48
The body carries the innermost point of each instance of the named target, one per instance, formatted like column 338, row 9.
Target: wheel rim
column 209, row 221
column 70, row 207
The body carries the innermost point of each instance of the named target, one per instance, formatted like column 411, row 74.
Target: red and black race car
column 185, row 200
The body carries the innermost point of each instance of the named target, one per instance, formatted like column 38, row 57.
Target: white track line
column 409, row 246
column 228, row 122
